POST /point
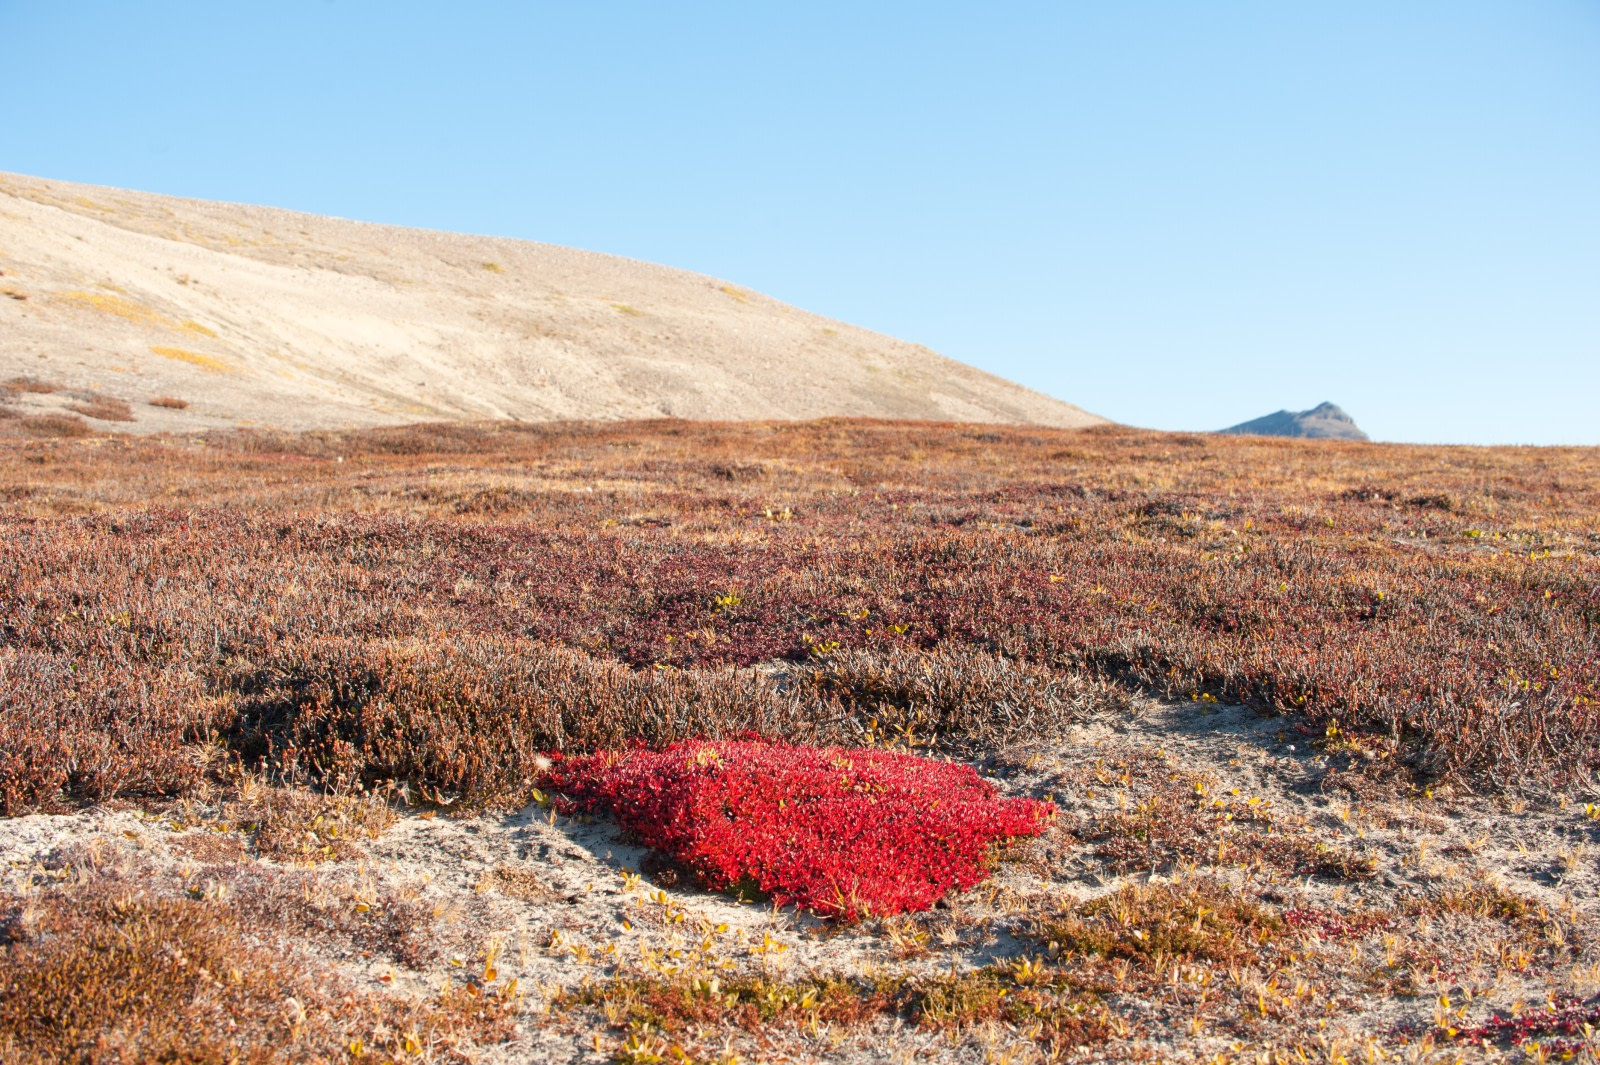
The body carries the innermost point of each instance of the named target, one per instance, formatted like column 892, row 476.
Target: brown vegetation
column 67, row 425
column 1156, row 925
column 29, row 384
column 277, row 644
column 103, row 408
column 448, row 601
column 116, row 963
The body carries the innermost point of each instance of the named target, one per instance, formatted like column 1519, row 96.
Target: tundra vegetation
column 410, row 744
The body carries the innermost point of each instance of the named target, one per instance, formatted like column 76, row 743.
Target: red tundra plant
column 842, row 832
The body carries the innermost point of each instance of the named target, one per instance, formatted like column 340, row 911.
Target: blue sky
column 1179, row 215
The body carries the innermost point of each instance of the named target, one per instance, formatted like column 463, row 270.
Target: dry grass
column 169, row 402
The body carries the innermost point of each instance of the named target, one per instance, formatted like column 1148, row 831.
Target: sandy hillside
column 261, row 316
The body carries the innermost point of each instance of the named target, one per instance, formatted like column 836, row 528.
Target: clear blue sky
column 1179, row 215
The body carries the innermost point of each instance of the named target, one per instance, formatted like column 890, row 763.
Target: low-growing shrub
column 1562, row 1029
column 86, row 729
column 468, row 719
column 750, row 1001
column 959, row 693
column 955, row 587
column 1058, row 1016
column 111, row 968
column 1043, row 1002
column 103, row 408
column 169, row 402
column 841, row 832
column 54, row 425
column 1485, row 900
column 295, row 825
column 29, row 384
column 1199, row 920
column 1176, row 825
column 1333, row 925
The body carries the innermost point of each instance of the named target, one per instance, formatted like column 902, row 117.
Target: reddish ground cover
column 1552, row 1027
column 840, row 832
column 431, row 606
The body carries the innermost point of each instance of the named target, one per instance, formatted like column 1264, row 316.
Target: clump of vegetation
column 839, row 832
column 1043, row 1001
column 1486, row 900
column 89, row 730
column 169, row 402
column 103, row 408
column 1186, row 823
column 48, row 425
column 467, row 720
column 113, row 968
column 956, row 694
column 295, row 825
column 750, row 1001
column 1562, row 1030
column 1329, row 925
column 30, row 384
column 1154, row 925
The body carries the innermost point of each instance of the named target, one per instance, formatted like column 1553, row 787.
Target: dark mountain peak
column 1325, row 421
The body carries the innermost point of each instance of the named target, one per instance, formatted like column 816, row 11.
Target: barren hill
column 260, row 316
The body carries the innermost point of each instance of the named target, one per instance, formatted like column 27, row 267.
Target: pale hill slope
column 271, row 317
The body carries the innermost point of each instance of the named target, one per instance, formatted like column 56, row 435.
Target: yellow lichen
column 122, row 308
column 194, row 358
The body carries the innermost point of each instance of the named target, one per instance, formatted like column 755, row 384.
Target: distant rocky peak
column 1326, row 421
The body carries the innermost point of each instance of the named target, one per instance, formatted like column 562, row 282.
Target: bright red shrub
column 842, row 832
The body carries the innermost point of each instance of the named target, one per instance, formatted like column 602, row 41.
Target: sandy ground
column 559, row 900
column 257, row 316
